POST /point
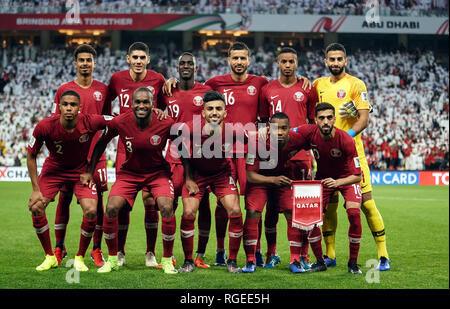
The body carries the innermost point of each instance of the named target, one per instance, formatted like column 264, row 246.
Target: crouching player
column 339, row 170
column 144, row 137
column 208, row 165
column 68, row 137
column 268, row 179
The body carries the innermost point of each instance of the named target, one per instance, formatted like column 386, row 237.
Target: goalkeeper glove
column 348, row 110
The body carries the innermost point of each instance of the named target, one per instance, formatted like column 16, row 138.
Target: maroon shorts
column 257, row 196
column 239, row 172
column 128, row 184
column 221, row 184
column 350, row 193
column 177, row 177
column 299, row 170
column 51, row 181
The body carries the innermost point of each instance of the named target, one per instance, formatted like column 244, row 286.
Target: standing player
column 209, row 166
column 349, row 96
column 95, row 99
column 144, row 138
column 241, row 91
column 185, row 102
column 122, row 85
column 67, row 137
column 287, row 95
column 339, row 170
column 273, row 182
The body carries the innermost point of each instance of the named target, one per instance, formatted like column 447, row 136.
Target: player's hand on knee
column 37, row 202
column 169, row 85
column 192, row 187
column 348, row 110
column 86, row 179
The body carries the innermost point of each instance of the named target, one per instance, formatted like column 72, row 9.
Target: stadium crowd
column 408, row 90
column 335, row 7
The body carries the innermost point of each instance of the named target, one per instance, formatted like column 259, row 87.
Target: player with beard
column 68, row 138
column 95, row 100
column 339, row 170
column 122, row 85
column 144, row 138
column 287, row 95
column 206, row 165
column 349, row 96
column 185, row 102
column 241, row 91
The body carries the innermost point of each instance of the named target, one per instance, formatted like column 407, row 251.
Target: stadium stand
column 409, row 92
column 328, row 7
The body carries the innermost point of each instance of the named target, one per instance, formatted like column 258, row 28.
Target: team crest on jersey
column 341, row 94
column 151, row 89
column 299, row 96
column 155, row 140
column 84, row 138
column 198, row 101
column 98, row 96
column 251, row 90
column 335, row 152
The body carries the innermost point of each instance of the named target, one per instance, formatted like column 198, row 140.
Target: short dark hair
column 239, row 46
column 138, row 46
column 279, row 115
column 143, row 89
column 84, row 48
column 334, row 47
column 324, row 106
column 188, row 54
column 70, row 92
column 213, row 96
column 286, row 50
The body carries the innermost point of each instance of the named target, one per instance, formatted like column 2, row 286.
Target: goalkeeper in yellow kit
column 349, row 96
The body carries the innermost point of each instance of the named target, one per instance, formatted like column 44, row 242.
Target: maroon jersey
column 336, row 158
column 182, row 106
column 95, row 100
column 122, row 85
column 143, row 148
column 217, row 159
column 275, row 166
column 295, row 102
column 68, row 150
column 241, row 98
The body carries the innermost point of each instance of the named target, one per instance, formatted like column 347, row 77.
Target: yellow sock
column 376, row 225
column 329, row 229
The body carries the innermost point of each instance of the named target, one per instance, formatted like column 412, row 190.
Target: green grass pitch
column 416, row 220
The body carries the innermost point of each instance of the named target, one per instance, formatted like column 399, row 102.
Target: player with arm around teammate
column 144, row 138
column 67, row 137
column 269, row 179
column 338, row 169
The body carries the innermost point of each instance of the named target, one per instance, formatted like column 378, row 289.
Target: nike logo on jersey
column 123, row 90
column 127, row 137
column 170, row 102
column 225, row 90
column 273, row 97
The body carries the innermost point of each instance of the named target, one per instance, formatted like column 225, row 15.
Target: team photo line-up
column 181, row 138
